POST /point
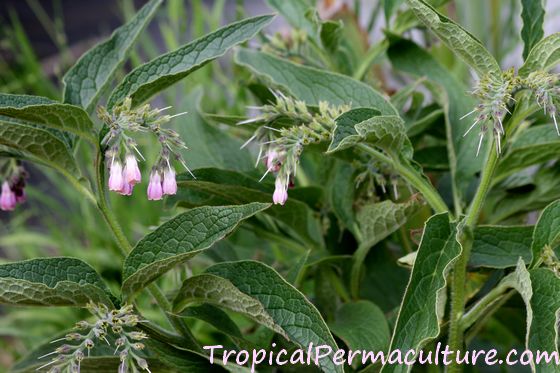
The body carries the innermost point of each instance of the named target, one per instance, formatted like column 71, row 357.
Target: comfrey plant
column 354, row 195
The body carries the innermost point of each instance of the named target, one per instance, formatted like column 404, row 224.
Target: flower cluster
column 280, row 147
column 13, row 185
column 496, row 95
column 375, row 173
column 123, row 176
column 119, row 324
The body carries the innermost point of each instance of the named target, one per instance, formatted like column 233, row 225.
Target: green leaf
column 52, row 282
column 38, row 145
column 211, row 289
column 312, row 85
column 358, row 125
column 377, row 221
column 331, row 35
column 297, row 13
column 460, row 41
column 532, row 14
column 544, row 56
column 390, row 6
column 533, row 146
column 408, row 57
column 501, row 247
column 88, row 78
column 217, row 187
column 179, row 239
column 542, row 333
column 213, row 316
column 289, row 309
column 342, row 188
column 164, row 71
column 547, row 230
column 424, row 301
column 362, row 326
column 41, row 112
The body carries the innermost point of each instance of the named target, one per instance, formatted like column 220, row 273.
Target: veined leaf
column 424, row 301
column 289, row 309
column 164, row 71
column 52, row 282
column 544, row 55
column 312, row 85
column 179, row 239
column 41, row 112
column 206, row 288
column 532, row 14
column 215, row 317
column 501, row 247
column 547, row 230
column 88, row 78
column 457, row 39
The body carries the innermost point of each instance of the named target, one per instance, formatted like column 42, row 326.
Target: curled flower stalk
column 119, row 144
column 119, row 324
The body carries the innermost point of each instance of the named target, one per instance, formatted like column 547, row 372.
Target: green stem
column 459, row 277
column 413, row 177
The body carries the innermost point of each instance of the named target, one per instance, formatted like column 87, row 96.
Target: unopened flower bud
column 7, row 198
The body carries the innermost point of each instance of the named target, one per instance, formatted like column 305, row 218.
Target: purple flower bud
column 116, row 177
column 132, row 173
column 169, row 182
column 155, row 191
column 7, row 198
column 280, row 192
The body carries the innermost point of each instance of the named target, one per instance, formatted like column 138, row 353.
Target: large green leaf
column 52, row 282
column 424, row 301
column 289, row 309
column 179, row 239
column 213, row 186
column 206, row 288
column 544, row 56
column 164, row 71
column 534, row 146
column 532, row 15
column 363, row 125
column 542, row 333
column 87, row 79
column 457, row 39
column 408, row 57
column 215, row 317
column 41, row 112
column 547, row 230
column 501, row 247
column 312, row 85
column 362, row 326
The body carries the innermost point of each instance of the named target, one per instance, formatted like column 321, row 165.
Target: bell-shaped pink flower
column 132, row 173
column 126, row 189
column 155, row 191
column 280, row 195
column 169, row 182
column 116, row 177
column 7, row 198
column 273, row 160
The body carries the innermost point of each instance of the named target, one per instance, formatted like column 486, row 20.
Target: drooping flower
column 116, row 176
column 169, row 182
column 132, row 173
column 8, row 199
column 155, row 191
column 126, row 189
column 273, row 160
column 280, row 195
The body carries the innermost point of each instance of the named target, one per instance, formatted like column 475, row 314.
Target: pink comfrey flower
column 7, row 198
column 126, row 189
column 132, row 173
column 273, row 160
column 169, row 182
column 280, row 195
column 116, row 177
column 155, row 191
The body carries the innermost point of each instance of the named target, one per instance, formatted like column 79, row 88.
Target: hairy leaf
column 52, row 282
column 206, row 288
column 312, row 85
column 87, row 79
column 457, row 39
column 289, row 309
column 501, row 247
column 532, row 15
column 544, row 56
column 179, row 239
column 547, row 230
column 164, row 71
column 424, row 301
